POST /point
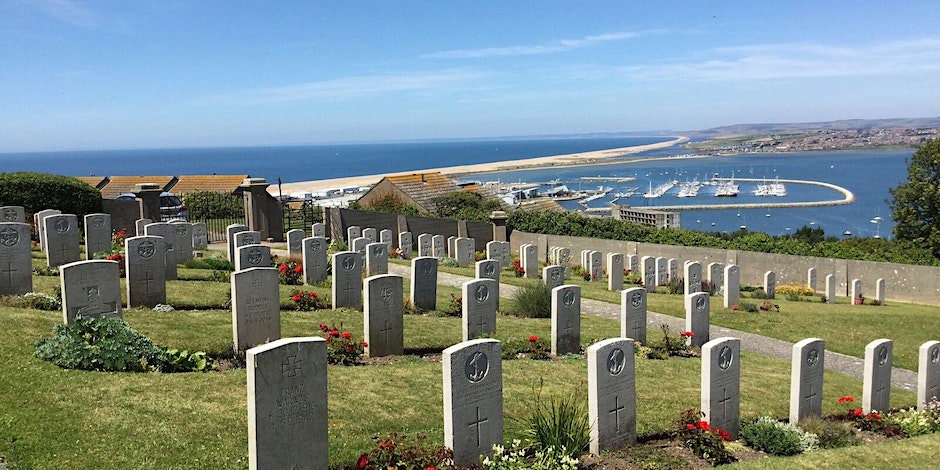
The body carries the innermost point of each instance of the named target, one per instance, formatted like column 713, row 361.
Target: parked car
column 171, row 206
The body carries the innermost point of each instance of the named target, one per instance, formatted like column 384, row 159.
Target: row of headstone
column 499, row 251
column 560, row 256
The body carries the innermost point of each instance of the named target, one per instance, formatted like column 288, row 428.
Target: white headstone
column 353, row 232
column 464, row 251
column 406, row 245
column 662, row 271
column 633, row 314
column 693, row 277
column 564, row 260
column 673, row 268
column 489, row 269
column 806, row 379
column 553, row 276
column 437, row 246
column 811, row 279
column 97, row 234
column 12, row 214
column 830, row 289
column 139, row 225
column 318, row 229
column 473, row 399
column 566, row 320
column 16, row 266
column 200, row 236
column 287, row 404
column 697, row 317
column 61, row 239
column 313, row 250
column 721, row 384
column 732, row 285
column 880, row 291
column 385, row 236
column 184, row 240
column 376, row 259
column 165, row 230
column 614, row 271
column 480, row 300
column 648, row 266
column 295, row 243
column 252, row 256
column 595, row 260
column 359, row 245
column 40, row 223
column 383, row 321
column 856, row 290
column 424, row 282
column 424, row 245
column 452, row 247
column 770, row 284
column 716, row 276
column 611, row 394
column 928, row 374
column 145, row 266
column 876, row 382
column 90, row 289
column 347, row 280
column 529, row 257
column 256, row 308
column 230, row 232
column 371, row 233
column 633, row 263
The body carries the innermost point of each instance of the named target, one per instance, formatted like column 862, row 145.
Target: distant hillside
column 781, row 128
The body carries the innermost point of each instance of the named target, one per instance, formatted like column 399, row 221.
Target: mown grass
column 846, row 328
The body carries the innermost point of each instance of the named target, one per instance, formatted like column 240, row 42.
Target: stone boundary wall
column 337, row 220
column 905, row 282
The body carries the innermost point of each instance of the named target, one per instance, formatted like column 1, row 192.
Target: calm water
column 867, row 174
column 305, row 162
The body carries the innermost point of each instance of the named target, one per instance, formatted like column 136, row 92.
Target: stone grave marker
column 480, row 301
column 830, row 289
column 318, row 229
column 145, row 266
column 673, row 268
column 811, row 278
column 876, row 382
column 376, row 259
column 806, row 379
column 633, row 314
column 464, row 250
column 165, row 230
column 200, row 236
column 371, row 233
column 529, row 257
column 732, row 285
column 928, row 374
column 614, row 271
column 437, row 246
column 553, row 276
column 552, row 255
column 383, row 321
column 493, row 251
column 855, row 290
column 97, row 234
column 184, row 240
column 770, row 284
column 452, row 247
column 353, row 232
column 287, row 404
column 424, row 245
column 721, row 383
column 566, row 320
column 406, row 245
column 16, row 266
column 880, row 291
column 252, row 256
column 594, row 260
column 12, row 214
column 385, row 236
column 424, row 282
column 90, row 289
column 693, row 277
column 313, row 250
column 40, row 223
column 347, row 280
column 505, row 256
column 697, row 317
column 247, row 237
column 359, row 245
column 585, row 263
column 473, row 399
column 611, row 394
column 716, row 276
column 295, row 244
column 139, row 225
column 230, row 232
column 488, row 269
column 648, row 264
column 61, row 239
column 256, row 309
column 564, row 260
column 633, row 263
column 662, row 271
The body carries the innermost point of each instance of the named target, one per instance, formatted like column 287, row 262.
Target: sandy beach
column 584, row 158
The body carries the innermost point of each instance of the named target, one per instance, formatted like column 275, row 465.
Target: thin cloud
column 555, row 46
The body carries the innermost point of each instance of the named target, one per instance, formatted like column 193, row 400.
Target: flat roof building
column 648, row 217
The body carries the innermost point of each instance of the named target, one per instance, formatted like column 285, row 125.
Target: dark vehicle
column 171, row 206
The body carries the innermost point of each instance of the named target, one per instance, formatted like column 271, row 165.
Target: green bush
column 914, row 422
column 217, row 264
column 831, row 434
column 207, row 205
column 174, row 360
column 40, row 191
column 532, row 300
column 41, row 301
column 560, row 424
column 449, row 262
column 778, row 438
column 675, row 285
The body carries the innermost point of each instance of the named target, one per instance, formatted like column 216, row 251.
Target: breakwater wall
column 847, row 198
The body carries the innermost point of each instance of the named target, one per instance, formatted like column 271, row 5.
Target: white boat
column 660, row 190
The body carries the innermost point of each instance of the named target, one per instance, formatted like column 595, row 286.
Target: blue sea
column 869, row 174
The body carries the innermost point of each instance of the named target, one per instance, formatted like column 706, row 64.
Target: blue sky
column 149, row 74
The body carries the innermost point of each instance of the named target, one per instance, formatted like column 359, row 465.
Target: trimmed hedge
column 40, row 191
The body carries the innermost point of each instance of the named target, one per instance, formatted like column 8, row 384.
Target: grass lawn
column 846, row 328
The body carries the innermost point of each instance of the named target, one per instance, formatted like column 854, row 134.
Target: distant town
column 820, row 139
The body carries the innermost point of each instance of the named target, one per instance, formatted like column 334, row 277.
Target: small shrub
column 778, row 438
column 46, row 271
column 291, row 273
column 913, row 422
column 337, row 246
column 759, row 294
column 792, row 296
column 341, row 349
column 704, row 441
column 449, row 262
column 709, row 287
column 748, row 307
column 399, row 452
column 519, row 457
column 220, row 276
column 633, row 279
column 175, row 360
column 831, row 434
column 560, row 424
column 41, row 301
column 307, row 301
column 671, row 346
column 409, row 308
column 533, row 300
column 38, row 191
column 516, row 267
column 534, row 348
column 218, row 264
column 800, row 290
column 675, row 285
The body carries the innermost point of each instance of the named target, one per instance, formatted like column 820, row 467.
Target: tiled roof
column 93, row 181
column 215, row 183
column 423, row 187
column 125, row 184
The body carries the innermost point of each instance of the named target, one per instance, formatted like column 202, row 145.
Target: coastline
column 572, row 159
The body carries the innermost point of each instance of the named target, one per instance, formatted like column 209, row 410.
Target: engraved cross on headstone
column 148, row 279
column 63, row 250
column 385, row 330
column 292, row 366
column 568, row 326
column 348, row 289
column 478, row 423
column 9, row 271
column 482, row 323
column 812, row 394
column 616, row 411
column 881, row 392
column 724, row 403
column 636, row 328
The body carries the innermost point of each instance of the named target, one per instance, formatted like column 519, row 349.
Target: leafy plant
column 633, row 279
column 290, row 272
column 516, row 267
column 218, row 264
column 449, row 262
column 914, row 422
column 341, row 349
column 520, row 457
column 41, row 301
column 534, row 348
column 532, row 300
column 561, row 424
column 704, row 441
column 831, row 434
column 307, row 301
column 670, row 346
column 337, row 246
column 219, row 276
column 675, row 285
column 175, row 360
column 398, row 452
column 46, row 271
column 778, row 438
column 38, row 191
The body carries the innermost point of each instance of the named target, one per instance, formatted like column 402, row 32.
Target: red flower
column 346, row 335
column 334, row 332
column 734, row 307
column 458, row 299
column 703, row 425
column 298, row 269
column 857, row 412
column 533, row 338
column 846, row 399
column 324, row 328
column 724, row 434
column 365, row 344
column 687, row 334
column 313, row 295
column 431, row 468
column 296, row 297
column 282, row 268
column 363, row 461
column 874, row 416
column 690, row 426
